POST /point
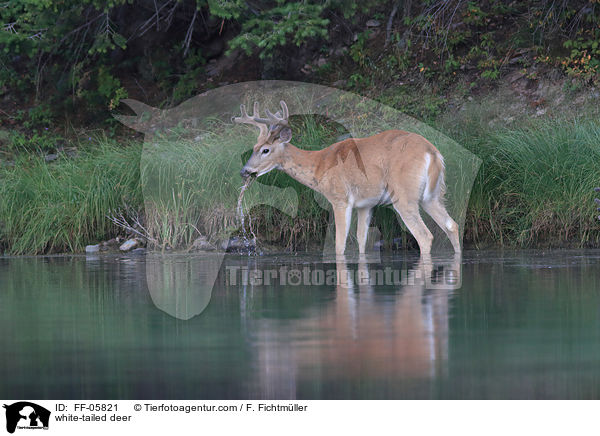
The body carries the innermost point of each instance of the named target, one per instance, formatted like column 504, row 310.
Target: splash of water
column 248, row 242
column 240, row 209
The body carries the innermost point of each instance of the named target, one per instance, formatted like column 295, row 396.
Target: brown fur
column 392, row 167
column 336, row 153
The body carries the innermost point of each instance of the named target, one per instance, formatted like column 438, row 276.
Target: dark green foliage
column 294, row 22
column 88, row 55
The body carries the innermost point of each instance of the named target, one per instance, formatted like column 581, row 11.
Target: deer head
column 274, row 134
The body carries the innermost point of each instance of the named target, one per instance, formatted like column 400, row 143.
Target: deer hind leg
column 437, row 211
column 342, row 216
column 413, row 221
column 364, row 218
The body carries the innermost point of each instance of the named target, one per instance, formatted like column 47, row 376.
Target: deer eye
column 265, row 150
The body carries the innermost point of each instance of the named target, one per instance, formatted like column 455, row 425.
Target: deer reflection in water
column 392, row 333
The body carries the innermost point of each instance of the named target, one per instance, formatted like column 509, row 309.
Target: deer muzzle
column 245, row 173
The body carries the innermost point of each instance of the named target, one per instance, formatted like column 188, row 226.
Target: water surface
column 522, row 325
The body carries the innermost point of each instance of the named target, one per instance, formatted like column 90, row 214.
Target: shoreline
column 411, row 253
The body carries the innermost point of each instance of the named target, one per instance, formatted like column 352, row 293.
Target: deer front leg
column 364, row 218
column 342, row 216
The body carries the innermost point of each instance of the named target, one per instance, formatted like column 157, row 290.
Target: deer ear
column 285, row 135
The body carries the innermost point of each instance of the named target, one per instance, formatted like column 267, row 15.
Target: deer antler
column 255, row 120
column 277, row 118
column 264, row 124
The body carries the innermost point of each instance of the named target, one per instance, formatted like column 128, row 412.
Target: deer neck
column 301, row 165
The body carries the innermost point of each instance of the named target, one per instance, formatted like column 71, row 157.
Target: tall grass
column 62, row 206
column 535, row 188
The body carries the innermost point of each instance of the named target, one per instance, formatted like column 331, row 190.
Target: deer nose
column 244, row 173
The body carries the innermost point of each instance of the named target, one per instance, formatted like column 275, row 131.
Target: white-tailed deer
column 393, row 167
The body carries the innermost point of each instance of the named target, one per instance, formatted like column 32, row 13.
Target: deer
column 394, row 167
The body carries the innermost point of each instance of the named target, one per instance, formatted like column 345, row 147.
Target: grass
column 535, row 188
column 62, row 206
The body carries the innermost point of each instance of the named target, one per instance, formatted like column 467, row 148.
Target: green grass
column 535, row 188
column 62, row 206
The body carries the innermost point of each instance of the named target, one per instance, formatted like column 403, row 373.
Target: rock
column 339, row 83
column 373, row 23
column 114, row 242
column 111, row 244
column 321, row 62
column 239, row 245
column 51, row 157
column 92, row 248
column 202, row 244
column 140, row 250
column 130, row 244
column 71, row 152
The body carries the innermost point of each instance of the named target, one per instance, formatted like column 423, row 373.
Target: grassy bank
column 535, row 188
column 62, row 206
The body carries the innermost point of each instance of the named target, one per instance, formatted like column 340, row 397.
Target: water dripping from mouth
column 247, row 244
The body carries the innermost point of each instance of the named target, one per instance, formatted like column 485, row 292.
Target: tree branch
column 388, row 28
column 188, row 35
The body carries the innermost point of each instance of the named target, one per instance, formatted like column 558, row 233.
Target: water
column 241, row 216
column 522, row 325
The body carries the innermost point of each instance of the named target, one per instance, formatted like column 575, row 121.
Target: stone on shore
column 131, row 244
column 239, row 245
column 202, row 244
column 92, row 248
